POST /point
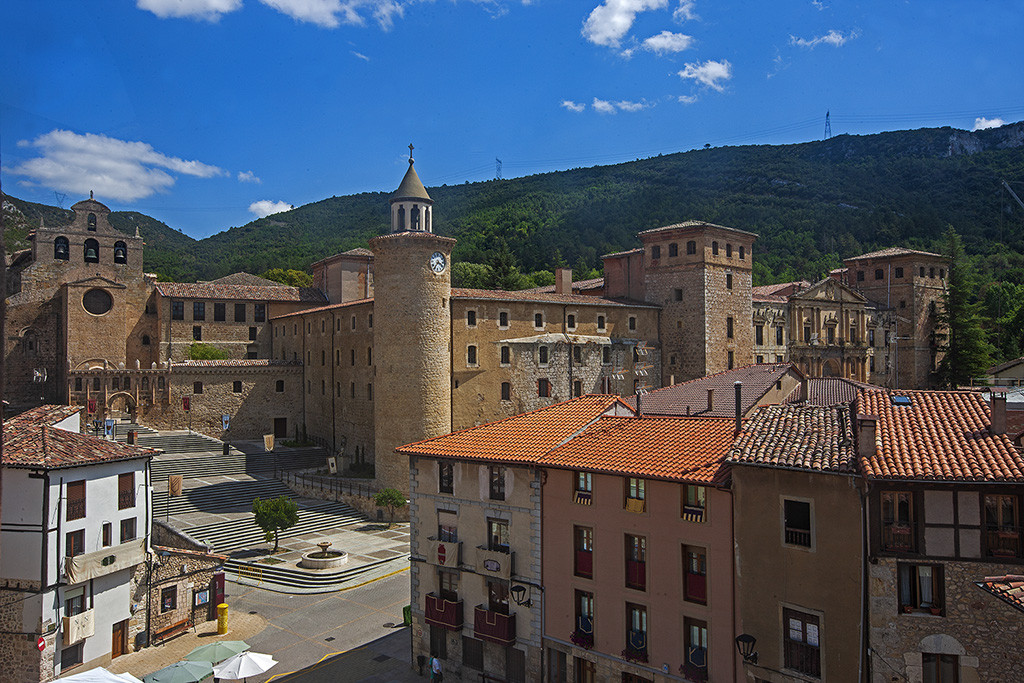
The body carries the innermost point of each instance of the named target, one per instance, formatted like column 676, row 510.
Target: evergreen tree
column 968, row 353
column 504, row 271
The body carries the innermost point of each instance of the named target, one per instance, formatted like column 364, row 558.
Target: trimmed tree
column 392, row 499
column 274, row 516
column 968, row 353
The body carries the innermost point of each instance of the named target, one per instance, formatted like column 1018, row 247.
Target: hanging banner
column 225, row 421
column 186, row 403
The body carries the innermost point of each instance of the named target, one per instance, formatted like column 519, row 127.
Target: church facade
column 384, row 351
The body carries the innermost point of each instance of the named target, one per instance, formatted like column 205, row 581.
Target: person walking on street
column 435, row 669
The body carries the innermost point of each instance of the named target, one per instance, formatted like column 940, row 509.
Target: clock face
column 437, row 262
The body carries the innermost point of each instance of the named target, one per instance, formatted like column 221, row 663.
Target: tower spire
column 410, row 153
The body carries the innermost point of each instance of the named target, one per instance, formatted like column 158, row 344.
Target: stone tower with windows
column 412, row 331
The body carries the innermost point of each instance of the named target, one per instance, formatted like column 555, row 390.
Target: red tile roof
column 577, row 285
column 675, row 448
column 243, row 278
column 522, row 438
column 324, row 309
column 45, row 447
column 780, row 291
column 210, row 290
column 798, row 437
column 1009, row 589
column 693, row 395
column 41, row 415
column 892, row 251
column 542, row 298
column 695, row 224
column 828, row 391
column 638, row 250
column 237, row 362
column 941, row 435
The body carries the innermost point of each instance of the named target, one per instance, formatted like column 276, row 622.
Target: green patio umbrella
column 181, row 672
column 217, row 652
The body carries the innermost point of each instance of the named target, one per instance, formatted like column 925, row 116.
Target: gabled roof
column 797, row 437
column 941, row 435
column 830, row 288
column 893, row 251
column 675, row 448
column 243, row 278
column 543, row 298
column 40, row 446
column 48, row 415
column 1005, row 366
column 577, row 286
column 779, row 292
column 829, row 391
column 522, row 438
column 691, row 398
column 323, row 309
column 1009, row 589
column 212, row 290
column 695, row 224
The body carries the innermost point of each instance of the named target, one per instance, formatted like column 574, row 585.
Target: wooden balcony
column 444, row 553
column 494, row 626
column 444, row 613
column 898, row 537
column 1002, row 541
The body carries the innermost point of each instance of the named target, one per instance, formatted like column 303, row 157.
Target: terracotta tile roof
column 210, row 290
column 638, row 250
column 782, row 289
column 695, row 224
column 941, row 435
column 675, row 448
column 41, row 415
column 802, row 437
column 542, row 298
column 1005, row 366
column 1009, row 589
column 892, row 251
column 46, row 447
column 358, row 251
column 577, row 285
column 693, row 395
column 521, row 438
column 322, row 309
column 237, row 362
column 828, row 391
column 244, row 279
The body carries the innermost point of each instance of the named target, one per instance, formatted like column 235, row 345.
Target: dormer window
column 120, row 252
column 91, row 222
column 61, row 249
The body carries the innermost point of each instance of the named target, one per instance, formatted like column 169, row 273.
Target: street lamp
column 745, row 644
column 519, row 596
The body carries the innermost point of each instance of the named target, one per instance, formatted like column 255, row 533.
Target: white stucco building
column 74, row 528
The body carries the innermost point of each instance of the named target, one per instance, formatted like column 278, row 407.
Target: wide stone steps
column 228, row 496
column 239, row 534
column 236, row 462
column 263, row 574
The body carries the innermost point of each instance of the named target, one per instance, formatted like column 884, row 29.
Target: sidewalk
column 241, row 625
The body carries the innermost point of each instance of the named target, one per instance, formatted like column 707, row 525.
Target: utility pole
column 828, row 125
column 497, row 168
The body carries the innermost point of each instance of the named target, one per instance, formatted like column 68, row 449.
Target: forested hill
column 811, row 203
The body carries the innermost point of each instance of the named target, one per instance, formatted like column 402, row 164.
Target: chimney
column 867, row 426
column 711, row 400
column 998, row 414
column 738, row 388
column 638, row 411
column 804, row 392
column 563, row 280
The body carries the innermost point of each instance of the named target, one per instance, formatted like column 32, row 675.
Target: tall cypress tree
column 968, row 353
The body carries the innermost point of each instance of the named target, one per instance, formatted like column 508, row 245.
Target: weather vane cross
column 410, row 152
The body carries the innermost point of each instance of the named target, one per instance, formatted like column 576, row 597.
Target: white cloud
column 603, row 106
column 360, row 55
column 208, row 10
column 626, row 105
column 666, row 42
column 114, row 168
column 710, row 73
column 834, row 38
column 981, row 123
column 685, row 11
column 819, row 4
column 687, row 99
column 265, row 207
column 334, row 13
column 574, row 106
column 612, row 19
column 248, row 177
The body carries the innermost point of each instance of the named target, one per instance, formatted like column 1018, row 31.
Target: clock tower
column 411, row 332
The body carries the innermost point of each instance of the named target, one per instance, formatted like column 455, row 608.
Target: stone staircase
column 229, row 496
column 250, row 573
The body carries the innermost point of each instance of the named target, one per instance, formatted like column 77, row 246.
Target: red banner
column 92, row 405
column 186, row 403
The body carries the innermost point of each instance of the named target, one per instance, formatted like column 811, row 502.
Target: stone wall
column 189, row 572
column 22, row 660
column 982, row 630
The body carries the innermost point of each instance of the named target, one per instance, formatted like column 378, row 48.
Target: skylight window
column 901, row 400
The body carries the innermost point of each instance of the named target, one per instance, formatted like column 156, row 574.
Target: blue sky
column 208, row 113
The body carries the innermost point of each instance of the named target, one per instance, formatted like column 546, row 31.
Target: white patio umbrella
column 100, row 675
column 244, row 664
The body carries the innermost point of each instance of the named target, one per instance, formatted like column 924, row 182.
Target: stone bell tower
column 412, row 331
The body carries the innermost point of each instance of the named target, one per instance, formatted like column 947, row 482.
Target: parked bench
column 173, row 630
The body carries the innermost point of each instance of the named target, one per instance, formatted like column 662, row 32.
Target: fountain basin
column 323, row 559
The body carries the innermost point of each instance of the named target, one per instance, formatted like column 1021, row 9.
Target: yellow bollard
column 222, row 618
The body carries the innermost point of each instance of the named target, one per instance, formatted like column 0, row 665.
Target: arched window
column 673, row 249
column 401, row 217
column 120, row 252
column 91, row 222
column 714, row 248
column 728, row 250
column 145, row 340
column 159, row 382
column 145, row 384
column 61, row 249
column 414, row 217
column 691, row 247
column 506, row 391
column 92, row 251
